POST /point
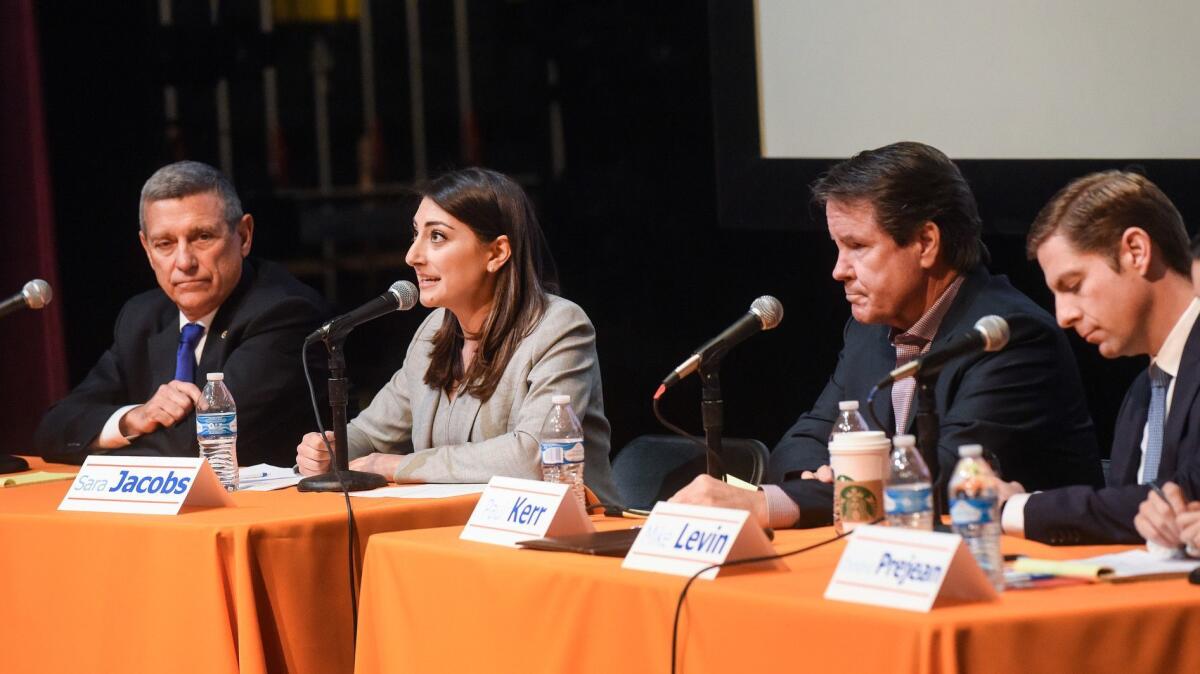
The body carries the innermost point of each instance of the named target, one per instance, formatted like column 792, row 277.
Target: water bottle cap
column 905, row 440
column 848, row 405
column 561, row 400
column 216, row 376
column 974, row 451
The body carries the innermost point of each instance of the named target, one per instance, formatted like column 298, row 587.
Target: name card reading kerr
column 150, row 485
column 682, row 539
column 906, row 569
column 512, row 510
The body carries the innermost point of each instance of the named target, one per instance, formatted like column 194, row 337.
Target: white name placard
column 512, row 510
column 150, row 485
column 906, row 569
column 682, row 539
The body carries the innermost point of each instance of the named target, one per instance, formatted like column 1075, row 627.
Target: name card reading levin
column 512, row 510
column 682, row 539
column 906, row 569
column 151, row 485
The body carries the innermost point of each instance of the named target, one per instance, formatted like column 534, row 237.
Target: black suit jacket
column 1079, row 515
column 255, row 339
column 1024, row 403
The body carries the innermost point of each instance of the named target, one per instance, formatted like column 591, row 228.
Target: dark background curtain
column 34, row 370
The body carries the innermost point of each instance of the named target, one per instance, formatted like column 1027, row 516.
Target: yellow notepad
column 33, row 477
column 1061, row 568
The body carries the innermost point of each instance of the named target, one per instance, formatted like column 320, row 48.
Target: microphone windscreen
column 995, row 332
column 37, row 293
column 769, row 311
column 406, row 294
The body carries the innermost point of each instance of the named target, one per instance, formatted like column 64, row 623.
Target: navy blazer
column 255, row 339
column 1080, row 515
column 1024, row 403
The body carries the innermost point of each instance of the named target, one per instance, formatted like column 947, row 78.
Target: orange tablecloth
column 432, row 603
column 262, row 587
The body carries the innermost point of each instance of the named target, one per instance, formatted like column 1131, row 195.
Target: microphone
column 34, row 295
column 990, row 334
column 402, row 296
column 765, row 313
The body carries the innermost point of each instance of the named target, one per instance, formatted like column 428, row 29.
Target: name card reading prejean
column 682, row 539
column 906, row 569
column 512, row 510
column 150, row 485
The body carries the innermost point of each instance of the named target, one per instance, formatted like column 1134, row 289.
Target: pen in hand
column 1163, row 495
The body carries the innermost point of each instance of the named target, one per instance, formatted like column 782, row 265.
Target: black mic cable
column 351, row 524
column 740, row 562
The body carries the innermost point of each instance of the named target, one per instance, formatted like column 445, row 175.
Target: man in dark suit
column 909, row 255
column 216, row 310
column 1115, row 254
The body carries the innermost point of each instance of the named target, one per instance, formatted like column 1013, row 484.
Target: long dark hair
column 492, row 205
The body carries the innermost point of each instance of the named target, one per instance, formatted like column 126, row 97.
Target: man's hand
column 1189, row 528
column 708, row 491
column 170, row 404
column 1006, row 490
column 824, row 474
column 379, row 463
column 1156, row 518
column 311, row 456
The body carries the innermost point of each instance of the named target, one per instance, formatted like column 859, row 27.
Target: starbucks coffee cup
column 859, row 463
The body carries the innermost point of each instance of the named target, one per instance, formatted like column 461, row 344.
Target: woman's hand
column 381, row 464
column 311, row 456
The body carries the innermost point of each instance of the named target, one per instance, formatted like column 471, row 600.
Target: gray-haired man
column 216, row 310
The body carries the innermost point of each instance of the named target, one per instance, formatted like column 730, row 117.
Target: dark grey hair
column 185, row 178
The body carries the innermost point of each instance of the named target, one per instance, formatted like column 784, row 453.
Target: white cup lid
column 859, row 441
column 970, row 450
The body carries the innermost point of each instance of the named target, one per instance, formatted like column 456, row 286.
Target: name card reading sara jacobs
column 130, row 482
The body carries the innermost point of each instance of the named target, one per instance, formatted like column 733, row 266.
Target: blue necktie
column 1155, row 420
column 185, row 358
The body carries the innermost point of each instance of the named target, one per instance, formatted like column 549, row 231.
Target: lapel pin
column 224, row 334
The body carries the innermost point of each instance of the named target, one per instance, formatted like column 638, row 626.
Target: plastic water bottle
column 975, row 512
column 216, row 430
column 849, row 420
column 908, row 495
column 561, row 442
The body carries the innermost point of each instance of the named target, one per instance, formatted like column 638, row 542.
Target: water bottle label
column 216, row 425
column 899, row 501
column 552, row 453
column 964, row 511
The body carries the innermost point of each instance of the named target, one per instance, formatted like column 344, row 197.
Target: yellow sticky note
column 33, row 477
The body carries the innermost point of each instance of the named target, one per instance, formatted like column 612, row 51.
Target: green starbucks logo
column 858, row 504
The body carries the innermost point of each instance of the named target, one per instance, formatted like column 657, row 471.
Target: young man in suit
column 1114, row 252
column 215, row 310
column 910, row 257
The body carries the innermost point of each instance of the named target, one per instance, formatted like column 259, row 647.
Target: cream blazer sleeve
column 558, row 357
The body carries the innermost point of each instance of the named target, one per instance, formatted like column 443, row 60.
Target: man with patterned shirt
column 911, row 260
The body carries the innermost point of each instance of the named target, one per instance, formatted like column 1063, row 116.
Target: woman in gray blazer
column 480, row 372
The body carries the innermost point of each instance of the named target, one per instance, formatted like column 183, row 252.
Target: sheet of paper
column 33, row 477
column 740, row 483
column 423, row 491
column 265, row 477
column 1139, row 563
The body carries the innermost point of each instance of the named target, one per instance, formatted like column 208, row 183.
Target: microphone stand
column 928, row 428
column 712, row 412
column 341, row 477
